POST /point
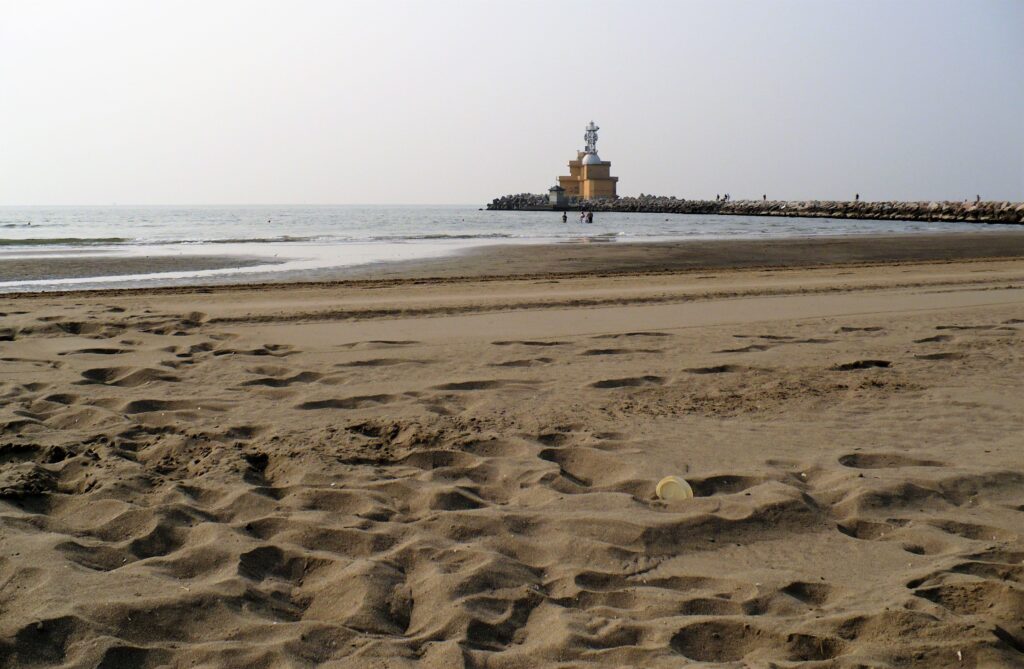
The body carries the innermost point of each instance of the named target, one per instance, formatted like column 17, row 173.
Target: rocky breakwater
column 980, row 212
column 522, row 202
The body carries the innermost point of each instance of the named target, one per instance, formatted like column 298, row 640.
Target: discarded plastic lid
column 673, row 488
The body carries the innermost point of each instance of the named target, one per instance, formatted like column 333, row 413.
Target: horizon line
column 257, row 204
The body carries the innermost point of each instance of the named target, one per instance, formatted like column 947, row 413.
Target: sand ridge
column 250, row 479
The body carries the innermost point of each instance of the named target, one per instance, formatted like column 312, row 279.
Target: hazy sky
column 457, row 102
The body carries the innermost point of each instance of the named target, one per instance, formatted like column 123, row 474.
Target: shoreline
column 563, row 260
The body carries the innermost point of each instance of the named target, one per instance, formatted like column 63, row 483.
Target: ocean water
column 298, row 241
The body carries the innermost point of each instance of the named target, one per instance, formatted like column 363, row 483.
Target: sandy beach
column 453, row 463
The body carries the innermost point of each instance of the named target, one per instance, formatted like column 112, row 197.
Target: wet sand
column 72, row 266
column 460, row 472
column 588, row 256
column 583, row 257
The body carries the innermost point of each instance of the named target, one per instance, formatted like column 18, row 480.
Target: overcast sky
column 457, row 102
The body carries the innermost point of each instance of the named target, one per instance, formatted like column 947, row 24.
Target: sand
column 580, row 257
column 462, row 473
column 596, row 256
column 72, row 266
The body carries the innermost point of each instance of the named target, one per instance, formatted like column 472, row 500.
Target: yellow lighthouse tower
column 589, row 176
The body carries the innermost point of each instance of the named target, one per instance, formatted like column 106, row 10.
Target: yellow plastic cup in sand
column 673, row 488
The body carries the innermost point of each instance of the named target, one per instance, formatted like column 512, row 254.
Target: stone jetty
column 979, row 212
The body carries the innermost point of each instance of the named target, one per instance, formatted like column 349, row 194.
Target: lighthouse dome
column 591, row 159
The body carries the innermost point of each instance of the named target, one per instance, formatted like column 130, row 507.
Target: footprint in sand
column 1000, row 600
column 717, row 369
column 884, row 461
column 723, row 484
column 485, row 384
column 746, row 349
column 97, row 351
column 766, row 337
column 79, row 328
column 629, row 382
column 733, row 640
column 152, row 406
column 273, row 350
column 861, row 364
column 379, row 343
column 525, row 362
column 940, row 356
column 934, row 340
column 276, row 382
column 382, row 362
column 974, row 531
column 62, row 398
column 632, row 334
column 812, row 594
column 124, row 377
column 870, row 530
column 356, row 402
column 618, row 351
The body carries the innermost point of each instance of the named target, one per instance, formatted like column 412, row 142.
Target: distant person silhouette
column 590, row 217
column 764, row 198
column 565, row 217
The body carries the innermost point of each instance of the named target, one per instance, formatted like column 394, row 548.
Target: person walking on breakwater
column 856, row 197
column 764, row 198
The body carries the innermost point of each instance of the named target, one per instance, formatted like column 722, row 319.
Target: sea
column 296, row 242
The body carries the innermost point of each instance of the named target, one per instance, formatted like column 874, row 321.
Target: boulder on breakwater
column 970, row 212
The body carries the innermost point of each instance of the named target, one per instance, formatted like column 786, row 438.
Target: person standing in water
column 565, row 217
column 590, row 217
